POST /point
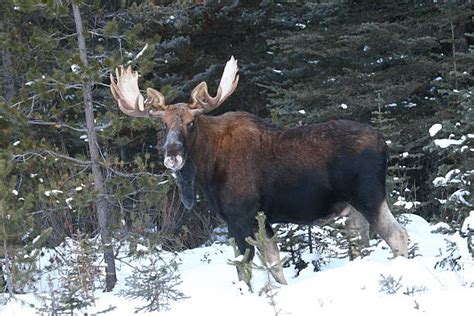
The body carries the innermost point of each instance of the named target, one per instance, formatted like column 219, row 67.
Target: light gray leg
column 391, row 231
column 358, row 232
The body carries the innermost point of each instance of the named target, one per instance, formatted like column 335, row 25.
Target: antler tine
column 202, row 101
column 127, row 94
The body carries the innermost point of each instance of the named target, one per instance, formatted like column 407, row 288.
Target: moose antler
column 203, row 102
column 129, row 99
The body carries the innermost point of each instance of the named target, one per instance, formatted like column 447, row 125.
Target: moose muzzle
column 174, row 150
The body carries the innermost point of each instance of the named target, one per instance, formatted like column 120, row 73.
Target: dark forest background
column 401, row 66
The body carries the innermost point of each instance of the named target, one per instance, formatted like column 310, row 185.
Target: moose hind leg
column 390, row 230
column 357, row 229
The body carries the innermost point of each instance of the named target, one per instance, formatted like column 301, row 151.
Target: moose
column 244, row 165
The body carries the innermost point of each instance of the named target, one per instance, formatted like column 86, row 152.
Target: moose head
column 178, row 118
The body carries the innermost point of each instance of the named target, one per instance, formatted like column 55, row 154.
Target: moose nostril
column 174, row 162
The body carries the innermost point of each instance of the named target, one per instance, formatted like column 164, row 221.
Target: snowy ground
column 342, row 287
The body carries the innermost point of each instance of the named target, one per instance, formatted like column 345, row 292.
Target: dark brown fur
column 304, row 174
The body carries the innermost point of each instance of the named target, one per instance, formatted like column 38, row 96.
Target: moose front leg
column 260, row 234
column 242, row 248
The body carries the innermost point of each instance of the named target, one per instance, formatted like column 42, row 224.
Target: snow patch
column 342, row 287
column 460, row 197
column 52, row 192
column 300, row 25
column 146, row 46
column 445, row 142
column 468, row 224
column 450, row 177
column 75, row 68
column 435, row 129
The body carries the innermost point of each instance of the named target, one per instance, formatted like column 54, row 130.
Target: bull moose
column 244, row 165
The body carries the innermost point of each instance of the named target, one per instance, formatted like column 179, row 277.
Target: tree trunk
column 102, row 206
column 7, row 282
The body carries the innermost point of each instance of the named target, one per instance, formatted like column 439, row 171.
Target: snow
column 52, row 192
column 468, row 223
column 300, row 25
column 445, row 143
column 435, row 129
column 75, row 68
column 343, row 287
column 460, row 196
column 450, row 177
column 146, row 46
column 35, row 240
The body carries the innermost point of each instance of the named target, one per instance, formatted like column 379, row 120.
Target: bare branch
column 62, row 124
column 44, row 153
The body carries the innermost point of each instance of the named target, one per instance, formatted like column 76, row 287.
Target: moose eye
column 190, row 126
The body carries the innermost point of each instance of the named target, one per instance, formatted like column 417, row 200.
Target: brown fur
column 301, row 175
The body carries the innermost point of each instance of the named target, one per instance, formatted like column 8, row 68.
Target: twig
column 62, row 124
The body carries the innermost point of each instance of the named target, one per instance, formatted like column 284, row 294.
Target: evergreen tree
column 156, row 282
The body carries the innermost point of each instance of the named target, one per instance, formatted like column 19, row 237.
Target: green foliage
column 155, row 282
column 451, row 147
column 72, row 288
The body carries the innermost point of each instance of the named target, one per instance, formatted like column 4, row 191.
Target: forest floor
column 439, row 280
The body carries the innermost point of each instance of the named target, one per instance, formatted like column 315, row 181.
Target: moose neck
column 204, row 149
